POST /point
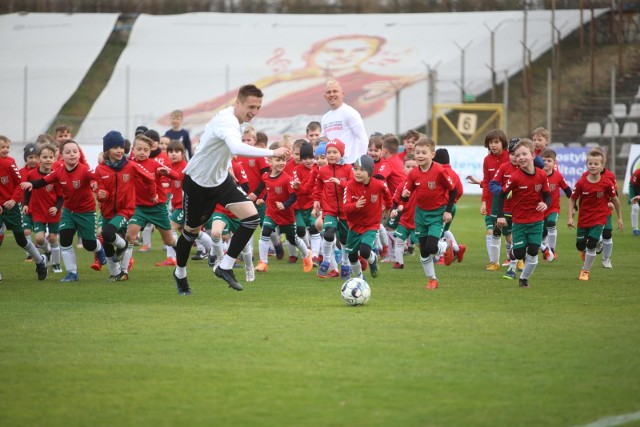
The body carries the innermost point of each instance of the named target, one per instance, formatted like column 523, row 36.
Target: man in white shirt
column 344, row 123
column 207, row 181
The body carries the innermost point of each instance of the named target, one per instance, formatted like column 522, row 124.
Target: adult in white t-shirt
column 344, row 123
column 207, row 182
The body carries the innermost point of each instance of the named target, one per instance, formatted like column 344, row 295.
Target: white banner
column 196, row 62
column 43, row 59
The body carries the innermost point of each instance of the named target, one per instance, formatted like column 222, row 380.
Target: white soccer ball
column 355, row 291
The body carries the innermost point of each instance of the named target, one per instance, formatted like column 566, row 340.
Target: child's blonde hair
column 177, row 113
column 525, row 142
column 425, row 141
column 541, row 132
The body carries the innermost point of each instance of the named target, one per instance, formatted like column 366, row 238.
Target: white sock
column 46, row 247
column 146, row 234
column 181, row 272
column 589, row 258
column 217, row 247
column 124, row 264
column 275, row 238
column 552, row 236
column 247, row 254
column 316, row 243
column 171, row 252
column 98, row 247
column 227, row 262
column 345, row 257
column 530, row 263
column 114, row 267
column 304, row 252
column 428, row 267
column 635, row 208
column 205, row 240
column 607, row 249
column 384, row 236
column 119, row 242
column 442, row 247
column 454, row 243
column 494, row 255
column 55, row 253
column 69, row 259
column 33, row 251
column 356, row 269
column 263, row 249
column 399, row 250
column 327, row 250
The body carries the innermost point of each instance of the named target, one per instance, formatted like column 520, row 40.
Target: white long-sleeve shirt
column 345, row 123
column 221, row 140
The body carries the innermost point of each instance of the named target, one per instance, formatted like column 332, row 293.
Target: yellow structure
column 439, row 112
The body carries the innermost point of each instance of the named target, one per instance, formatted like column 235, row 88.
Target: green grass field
column 479, row 351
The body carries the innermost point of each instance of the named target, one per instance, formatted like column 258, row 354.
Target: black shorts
column 198, row 202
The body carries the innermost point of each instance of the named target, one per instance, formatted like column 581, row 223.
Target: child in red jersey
column 442, row 157
column 409, row 143
column 301, row 229
column 380, row 171
column 365, row 200
column 304, row 190
column 634, row 191
column 402, row 216
column 30, row 164
column 43, row 207
column 177, row 153
column 328, row 198
column 150, row 201
column 11, row 195
column 280, row 214
column 394, row 176
column 78, row 209
column 431, row 184
column 540, row 137
column 594, row 191
column 116, row 177
column 556, row 183
column 496, row 142
column 530, row 198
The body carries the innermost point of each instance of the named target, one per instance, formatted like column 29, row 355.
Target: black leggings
column 66, row 240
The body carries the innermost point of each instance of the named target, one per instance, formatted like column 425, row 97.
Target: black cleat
column 199, row 256
column 41, row 269
column 524, row 283
column 182, row 285
column 229, row 277
column 212, row 260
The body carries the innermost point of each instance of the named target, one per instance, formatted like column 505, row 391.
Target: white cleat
column 606, row 263
column 250, row 274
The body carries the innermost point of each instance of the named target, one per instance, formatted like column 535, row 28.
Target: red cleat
column 131, row 262
column 461, row 251
column 332, row 274
column 432, row 285
column 169, row 262
column 384, row 252
column 293, row 259
column 96, row 266
column 398, row 266
column 363, row 263
column 448, row 254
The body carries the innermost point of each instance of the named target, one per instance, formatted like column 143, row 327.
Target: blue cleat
column 101, row 257
column 324, row 269
column 70, row 277
column 345, row 272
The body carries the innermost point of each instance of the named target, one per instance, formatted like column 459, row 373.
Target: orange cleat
column 584, row 275
column 131, row 262
column 169, row 262
column 492, row 266
column 262, row 267
column 432, row 285
column 96, row 265
column 307, row 263
column 384, row 252
column 448, row 254
column 144, row 248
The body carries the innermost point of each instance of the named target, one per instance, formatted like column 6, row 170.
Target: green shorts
column 594, row 232
column 354, row 240
column 404, row 233
column 230, row 224
column 156, row 215
column 41, row 227
column 12, row 218
column 429, row 223
column 84, row 223
column 552, row 217
column 527, row 234
column 488, row 222
column 304, row 218
column 340, row 225
column 27, row 222
column 287, row 229
column 453, row 215
column 506, row 231
column 118, row 221
column 609, row 224
column 177, row 216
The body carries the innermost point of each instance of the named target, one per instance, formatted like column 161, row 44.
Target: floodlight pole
column 612, row 153
column 493, row 59
column 432, row 77
column 24, row 104
column 462, row 55
column 505, row 101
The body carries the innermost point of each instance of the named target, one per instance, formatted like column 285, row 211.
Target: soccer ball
column 355, row 291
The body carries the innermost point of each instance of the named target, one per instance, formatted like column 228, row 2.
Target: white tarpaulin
column 43, row 59
column 196, row 62
column 633, row 163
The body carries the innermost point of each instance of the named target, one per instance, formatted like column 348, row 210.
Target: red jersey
column 556, row 182
column 120, row 188
column 490, row 166
column 146, row 191
column 526, row 193
column 10, row 180
column 24, row 171
column 407, row 220
column 304, row 192
column 431, row 186
column 593, row 200
column 239, row 173
column 290, row 166
column 176, row 184
column 380, row 169
column 635, row 182
column 43, row 199
column 254, row 168
column 76, row 187
column 608, row 176
column 329, row 194
column 278, row 190
column 502, row 176
column 456, row 181
column 395, row 175
column 368, row 217
column 163, row 183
